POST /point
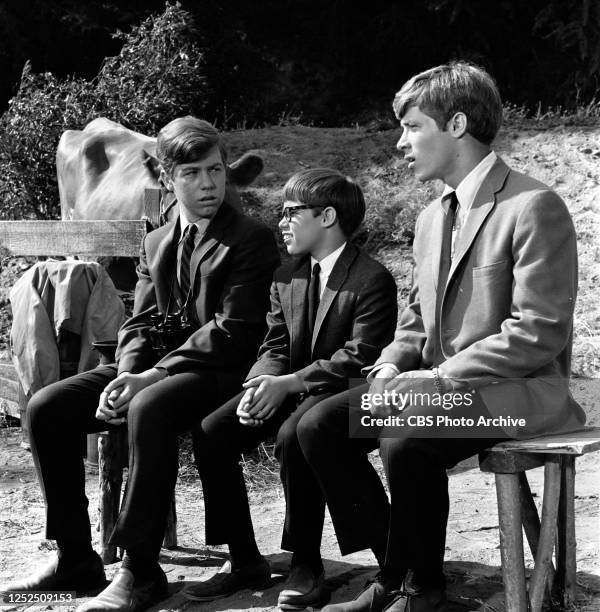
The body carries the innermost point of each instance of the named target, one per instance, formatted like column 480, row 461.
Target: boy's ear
column 329, row 216
column 458, row 125
column 166, row 180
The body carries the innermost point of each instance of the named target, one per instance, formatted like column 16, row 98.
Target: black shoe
column 124, row 594
column 375, row 597
column 303, row 589
column 411, row 599
column 228, row 581
column 83, row 577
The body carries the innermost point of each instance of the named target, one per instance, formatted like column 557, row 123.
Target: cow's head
column 240, row 173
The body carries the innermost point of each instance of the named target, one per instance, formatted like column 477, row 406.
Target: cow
column 104, row 170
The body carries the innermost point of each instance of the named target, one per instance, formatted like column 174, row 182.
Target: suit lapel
column 483, row 204
column 212, row 236
column 336, row 280
column 300, row 278
column 166, row 258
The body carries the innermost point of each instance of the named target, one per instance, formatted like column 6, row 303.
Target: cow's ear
column 152, row 164
column 244, row 170
column 165, row 179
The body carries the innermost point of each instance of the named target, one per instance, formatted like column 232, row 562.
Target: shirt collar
column 467, row 189
column 201, row 224
column 328, row 262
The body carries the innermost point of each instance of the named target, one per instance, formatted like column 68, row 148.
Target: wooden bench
column 509, row 462
column 85, row 239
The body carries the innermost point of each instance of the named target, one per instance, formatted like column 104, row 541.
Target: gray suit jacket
column 507, row 309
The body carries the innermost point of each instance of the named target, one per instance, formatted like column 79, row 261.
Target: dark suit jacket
column 507, row 310
column 231, row 269
column 355, row 320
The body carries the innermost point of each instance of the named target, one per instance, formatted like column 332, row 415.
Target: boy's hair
column 442, row 91
column 322, row 187
column 185, row 140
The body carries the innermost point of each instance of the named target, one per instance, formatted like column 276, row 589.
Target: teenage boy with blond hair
column 492, row 302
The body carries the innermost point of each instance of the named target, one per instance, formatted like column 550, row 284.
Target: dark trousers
column 61, row 413
column 219, row 446
column 416, row 473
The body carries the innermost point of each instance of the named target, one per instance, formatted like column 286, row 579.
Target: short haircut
column 185, row 140
column 322, row 187
column 445, row 90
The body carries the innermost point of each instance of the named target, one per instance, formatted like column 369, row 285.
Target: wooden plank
column 577, row 443
column 8, row 371
column 152, row 206
column 507, row 462
column 61, row 238
column 9, row 390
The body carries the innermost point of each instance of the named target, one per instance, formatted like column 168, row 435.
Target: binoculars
column 168, row 333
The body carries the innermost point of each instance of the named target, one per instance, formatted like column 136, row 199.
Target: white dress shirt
column 326, row 264
column 465, row 193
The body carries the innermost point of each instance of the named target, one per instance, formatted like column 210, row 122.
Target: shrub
column 157, row 76
column 29, row 132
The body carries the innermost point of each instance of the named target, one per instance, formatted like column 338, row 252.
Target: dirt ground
column 472, row 548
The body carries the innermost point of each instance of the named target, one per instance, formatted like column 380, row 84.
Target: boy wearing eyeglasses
column 333, row 309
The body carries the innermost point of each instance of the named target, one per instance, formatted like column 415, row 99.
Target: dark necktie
column 445, row 263
column 314, row 294
column 186, row 255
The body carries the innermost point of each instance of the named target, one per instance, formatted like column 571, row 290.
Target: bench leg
column 566, row 541
column 543, row 558
column 511, row 542
column 531, row 524
column 110, row 470
column 170, row 540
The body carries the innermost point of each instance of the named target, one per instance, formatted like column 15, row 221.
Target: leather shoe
column 303, row 589
column 418, row 600
column 373, row 598
column 124, row 594
column 83, row 577
column 229, row 580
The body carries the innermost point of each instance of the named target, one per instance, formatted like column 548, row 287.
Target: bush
column 30, row 129
column 158, row 75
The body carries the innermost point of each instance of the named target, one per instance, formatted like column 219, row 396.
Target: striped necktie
column 186, row 255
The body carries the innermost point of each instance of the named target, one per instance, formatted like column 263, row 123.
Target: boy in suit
column 492, row 302
column 333, row 308
column 211, row 267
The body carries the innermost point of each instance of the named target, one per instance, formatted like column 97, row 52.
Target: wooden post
column 566, row 541
column 511, row 542
column 170, row 541
column 110, row 471
column 543, row 559
column 531, row 524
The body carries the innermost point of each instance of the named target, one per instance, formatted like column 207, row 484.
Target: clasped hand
column 115, row 399
column 264, row 395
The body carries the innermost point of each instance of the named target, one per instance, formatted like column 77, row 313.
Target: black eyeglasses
column 287, row 212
